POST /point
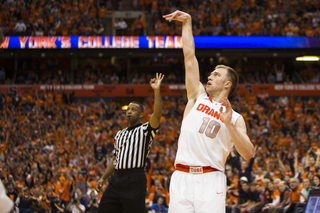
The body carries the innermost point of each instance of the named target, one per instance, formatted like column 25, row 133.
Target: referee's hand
column 155, row 82
column 99, row 185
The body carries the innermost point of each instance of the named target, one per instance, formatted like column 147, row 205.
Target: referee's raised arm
column 155, row 83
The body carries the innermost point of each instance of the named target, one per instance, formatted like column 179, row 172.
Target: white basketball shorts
column 197, row 193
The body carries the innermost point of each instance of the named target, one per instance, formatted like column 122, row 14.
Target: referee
column 127, row 187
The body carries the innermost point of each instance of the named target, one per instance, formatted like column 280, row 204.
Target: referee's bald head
column 140, row 105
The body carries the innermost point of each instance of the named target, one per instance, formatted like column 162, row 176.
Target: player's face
column 133, row 114
column 217, row 80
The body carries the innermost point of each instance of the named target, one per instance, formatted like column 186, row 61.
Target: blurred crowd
column 115, row 70
column 211, row 18
column 240, row 18
column 53, row 150
column 51, row 18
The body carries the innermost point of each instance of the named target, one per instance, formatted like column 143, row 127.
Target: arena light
column 124, row 107
column 308, row 58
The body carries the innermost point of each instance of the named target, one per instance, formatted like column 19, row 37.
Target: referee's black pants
column 125, row 193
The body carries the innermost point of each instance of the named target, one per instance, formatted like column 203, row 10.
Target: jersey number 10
column 212, row 129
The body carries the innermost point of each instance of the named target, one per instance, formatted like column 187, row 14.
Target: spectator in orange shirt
column 138, row 26
column 63, row 190
column 294, row 195
column 157, row 185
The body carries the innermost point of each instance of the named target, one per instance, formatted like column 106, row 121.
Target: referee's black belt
column 127, row 171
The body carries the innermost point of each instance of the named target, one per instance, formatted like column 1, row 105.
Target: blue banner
column 155, row 42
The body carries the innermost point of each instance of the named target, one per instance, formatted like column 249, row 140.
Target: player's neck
column 218, row 96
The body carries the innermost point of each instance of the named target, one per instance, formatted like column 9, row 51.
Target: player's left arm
column 237, row 131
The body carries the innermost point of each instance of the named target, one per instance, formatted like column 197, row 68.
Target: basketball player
column 209, row 130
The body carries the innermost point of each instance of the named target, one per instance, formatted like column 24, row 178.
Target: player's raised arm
column 193, row 84
column 155, row 83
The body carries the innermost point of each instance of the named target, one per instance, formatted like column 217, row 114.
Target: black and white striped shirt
column 132, row 145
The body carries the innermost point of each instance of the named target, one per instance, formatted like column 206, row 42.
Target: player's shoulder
column 235, row 113
column 235, row 116
column 202, row 96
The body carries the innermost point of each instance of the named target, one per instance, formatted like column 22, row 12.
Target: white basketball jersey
column 204, row 140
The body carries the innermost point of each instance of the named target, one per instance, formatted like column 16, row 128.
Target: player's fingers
column 173, row 15
column 166, row 16
column 170, row 14
column 161, row 78
column 227, row 103
column 223, row 102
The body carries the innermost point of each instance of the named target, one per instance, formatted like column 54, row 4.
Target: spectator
column 20, row 28
column 243, row 168
column 12, row 194
column 244, row 198
column 284, row 197
column 36, row 206
column 93, row 206
column 80, row 184
column 76, row 207
column 79, row 196
column 255, row 203
column 121, row 27
column 57, row 206
column 24, row 201
column 138, row 26
column 158, row 207
column 316, row 182
column 68, row 97
column 63, row 190
column 158, row 194
column 311, row 163
column 274, row 196
column 305, row 191
column 294, row 195
column 100, row 30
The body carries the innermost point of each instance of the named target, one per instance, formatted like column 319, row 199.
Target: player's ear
column 228, row 83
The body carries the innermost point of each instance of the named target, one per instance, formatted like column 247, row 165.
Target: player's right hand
column 177, row 16
column 99, row 185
